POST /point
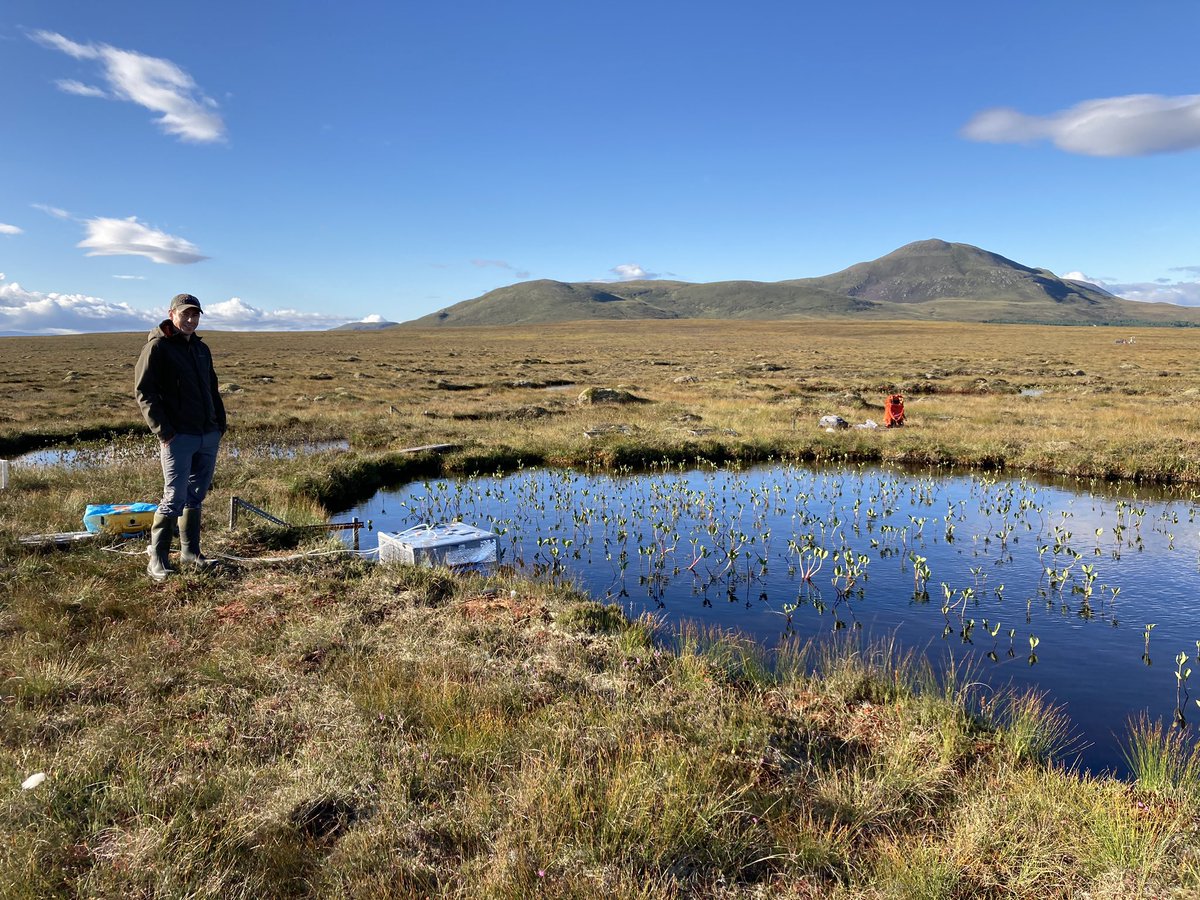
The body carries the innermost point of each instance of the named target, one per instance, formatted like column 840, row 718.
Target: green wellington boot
column 159, row 550
column 189, row 540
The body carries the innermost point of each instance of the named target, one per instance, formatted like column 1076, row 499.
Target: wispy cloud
column 131, row 277
column 35, row 312
column 158, row 85
column 1164, row 290
column 79, row 89
column 52, row 210
column 10, row 229
column 1133, row 125
column 499, row 264
column 129, row 237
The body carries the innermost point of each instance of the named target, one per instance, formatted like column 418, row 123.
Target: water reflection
column 95, row 457
column 288, row 451
column 1086, row 591
column 86, row 457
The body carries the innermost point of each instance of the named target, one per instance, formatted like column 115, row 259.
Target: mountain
column 373, row 325
column 927, row 280
column 556, row 301
column 935, row 270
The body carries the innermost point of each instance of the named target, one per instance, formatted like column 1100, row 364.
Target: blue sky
column 303, row 164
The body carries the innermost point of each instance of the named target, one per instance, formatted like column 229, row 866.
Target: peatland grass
column 338, row 728
column 297, row 722
column 1091, row 402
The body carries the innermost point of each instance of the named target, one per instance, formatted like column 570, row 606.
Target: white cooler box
column 453, row 544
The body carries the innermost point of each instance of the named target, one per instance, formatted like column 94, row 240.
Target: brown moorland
column 1097, row 402
column 297, row 723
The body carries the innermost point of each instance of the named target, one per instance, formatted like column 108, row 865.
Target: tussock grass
column 343, row 728
column 1162, row 760
column 1032, row 729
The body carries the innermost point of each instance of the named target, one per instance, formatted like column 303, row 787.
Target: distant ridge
column 930, row 280
column 364, row 326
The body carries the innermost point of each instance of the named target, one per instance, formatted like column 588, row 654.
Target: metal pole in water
column 4, row 474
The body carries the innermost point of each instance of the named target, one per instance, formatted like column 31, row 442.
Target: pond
column 272, row 450
column 85, row 457
column 145, row 448
column 1087, row 592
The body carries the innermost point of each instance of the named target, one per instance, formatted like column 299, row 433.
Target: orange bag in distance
column 893, row 411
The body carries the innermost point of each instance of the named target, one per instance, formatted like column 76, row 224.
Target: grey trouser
column 188, row 463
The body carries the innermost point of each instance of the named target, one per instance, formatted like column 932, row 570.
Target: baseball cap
column 185, row 301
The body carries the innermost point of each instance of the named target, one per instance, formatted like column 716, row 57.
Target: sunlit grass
column 272, row 730
column 1162, row 759
column 1032, row 729
column 341, row 729
column 725, row 390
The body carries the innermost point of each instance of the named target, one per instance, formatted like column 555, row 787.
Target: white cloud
column 1079, row 276
column 1181, row 293
column 129, row 237
column 34, row 312
column 79, row 89
column 155, row 84
column 67, row 46
column 631, row 272
column 372, row 319
column 236, row 314
column 10, row 229
column 1133, row 125
column 131, row 277
column 52, row 210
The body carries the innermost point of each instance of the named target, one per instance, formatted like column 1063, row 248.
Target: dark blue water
column 953, row 566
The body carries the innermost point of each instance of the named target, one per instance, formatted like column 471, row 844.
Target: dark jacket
column 176, row 386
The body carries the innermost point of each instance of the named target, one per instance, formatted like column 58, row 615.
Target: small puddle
column 83, row 457
column 289, row 451
column 95, row 457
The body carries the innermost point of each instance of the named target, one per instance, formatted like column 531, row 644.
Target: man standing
column 176, row 388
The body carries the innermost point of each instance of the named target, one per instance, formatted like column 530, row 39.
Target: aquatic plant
column 993, row 630
column 921, row 575
column 1182, row 673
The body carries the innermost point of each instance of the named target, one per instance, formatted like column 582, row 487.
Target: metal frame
column 236, row 504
